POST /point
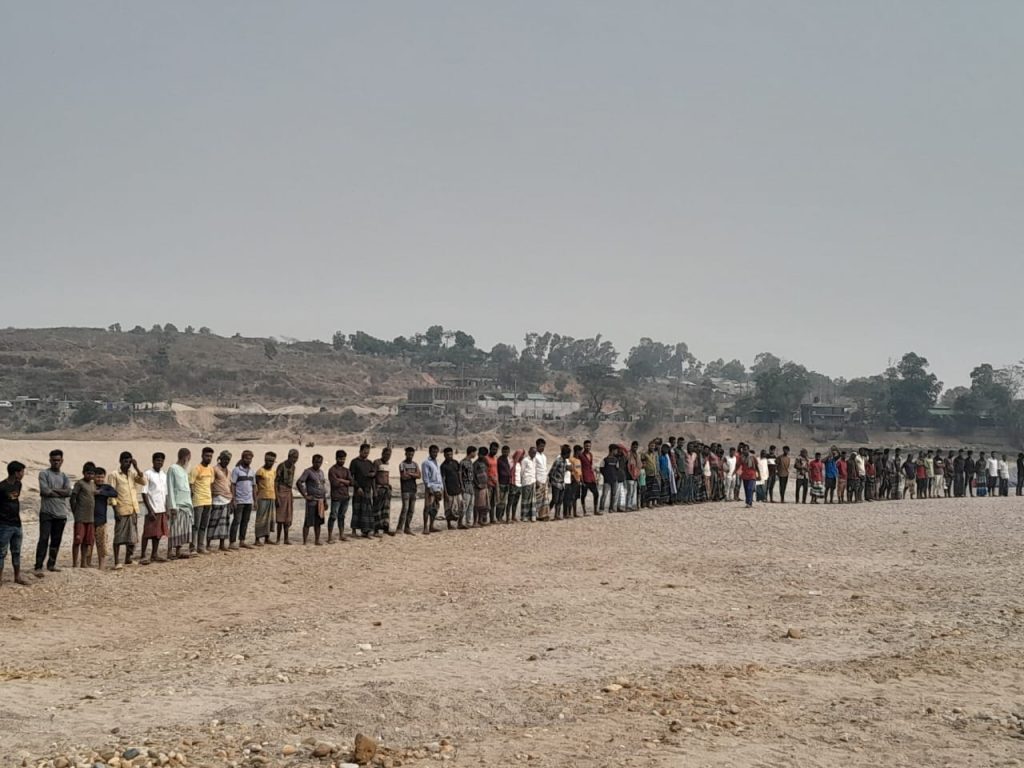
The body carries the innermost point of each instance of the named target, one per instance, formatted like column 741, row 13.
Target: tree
column 190, row 330
column 989, row 397
column 205, row 331
column 170, row 328
column 734, row 370
column 270, row 349
column 871, row 393
column 434, row 335
column 138, row 329
column 765, row 361
column 599, row 384
column 157, row 328
column 115, row 328
column 912, row 390
column 338, row 341
column 778, row 391
column 649, row 359
column 950, row 396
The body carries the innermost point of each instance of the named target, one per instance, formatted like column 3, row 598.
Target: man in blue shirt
column 433, row 489
column 831, row 476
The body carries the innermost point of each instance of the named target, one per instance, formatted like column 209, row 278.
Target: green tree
column 170, row 328
column 871, row 393
column 339, row 341
column 204, row 331
column 912, row 390
column 189, row 329
column 778, row 391
column 115, row 328
column 599, row 384
column 734, row 370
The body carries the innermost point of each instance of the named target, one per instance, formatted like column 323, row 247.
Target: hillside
column 196, row 369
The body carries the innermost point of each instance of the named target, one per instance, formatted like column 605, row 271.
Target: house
column 824, row 415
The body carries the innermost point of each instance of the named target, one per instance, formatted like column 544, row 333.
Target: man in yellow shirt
column 200, row 480
column 126, row 481
column 266, row 499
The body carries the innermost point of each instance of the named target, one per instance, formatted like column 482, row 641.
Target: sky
column 835, row 182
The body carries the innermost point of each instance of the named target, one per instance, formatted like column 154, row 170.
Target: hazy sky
column 837, row 182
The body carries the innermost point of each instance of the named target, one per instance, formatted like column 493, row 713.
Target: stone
column 532, row 657
column 365, row 749
column 612, row 688
column 130, row 754
column 289, row 749
column 61, row 762
column 434, row 747
column 794, row 633
column 365, row 647
column 324, row 749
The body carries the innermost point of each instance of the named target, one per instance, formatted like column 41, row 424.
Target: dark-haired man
column 339, row 477
column 11, row 534
column 154, row 496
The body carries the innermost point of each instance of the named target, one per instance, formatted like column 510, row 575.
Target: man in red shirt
column 588, row 477
column 492, row 480
column 816, row 474
column 748, row 473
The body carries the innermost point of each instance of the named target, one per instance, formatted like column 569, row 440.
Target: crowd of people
column 192, row 510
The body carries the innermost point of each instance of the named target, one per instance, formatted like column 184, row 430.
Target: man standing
column 201, row 481
column 408, row 485
column 312, row 486
column 284, row 483
column 179, row 505
column 382, row 494
column 220, row 520
column 632, row 477
column 589, row 477
column 556, row 480
column 154, row 496
column 1020, row 474
column 466, row 478
column 541, row 492
column 433, row 490
column 243, row 487
column 504, row 482
column 10, row 520
column 481, row 488
column 492, row 482
column 54, row 511
column 992, row 474
column 127, row 481
column 782, row 466
column 363, row 475
column 339, row 478
column 529, row 488
column 451, row 476
column 831, row 476
column 575, row 480
column 958, row 474
column 83, row 510
column 610, row 480
column 802, row 469
column 970, row 468
column 266, row 500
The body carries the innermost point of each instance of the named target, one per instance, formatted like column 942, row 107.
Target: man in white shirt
column 154, row 495
column 528, row 473
column 541, row 494
column 731, row 486
column 1004, row 476
column 992, row 470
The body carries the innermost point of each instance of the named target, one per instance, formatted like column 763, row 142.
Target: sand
column 655, row 638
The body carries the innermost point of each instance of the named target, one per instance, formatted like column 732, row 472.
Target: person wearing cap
column 220, row 516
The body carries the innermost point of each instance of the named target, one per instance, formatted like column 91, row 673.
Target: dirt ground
column 508, row 645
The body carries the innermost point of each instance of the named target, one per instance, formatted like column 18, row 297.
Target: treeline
column 904, row 394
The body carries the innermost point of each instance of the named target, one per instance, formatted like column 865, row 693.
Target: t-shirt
column 816, row 471
column 54, row 507
column 408, row 484
column 529, row 471
column 156, row 489
column 841, row 468
column 782, row 465
column 587, row 467
column 313, row 483
column 504, row 470
column 265, row 484
column 576, row 469
column 610, row 469
column 451, row 475
column 10, row 503
column 831, row 469
column 340, row 480
column 363, row 474
column 83, row 502
column 492, row 470
column 244, row 480
column 466, row 473
column 103, row 496
column 201, row 480
column 179, row 496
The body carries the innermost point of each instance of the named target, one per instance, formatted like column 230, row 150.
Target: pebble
column 365, row 749
column 794, row 633
column 323, row 749
column 365, row 647
column 130, row 754
column 612, row 688
column 289, row 749
column 61, row 762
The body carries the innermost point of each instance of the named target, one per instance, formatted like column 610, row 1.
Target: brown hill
column 96, row 364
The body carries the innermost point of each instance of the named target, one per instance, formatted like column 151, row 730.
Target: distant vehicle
column 6, row 404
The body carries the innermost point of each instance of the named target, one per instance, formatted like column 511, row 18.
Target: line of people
column 211, row 505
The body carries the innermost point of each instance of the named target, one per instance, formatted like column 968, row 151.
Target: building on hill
column 830, row 415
